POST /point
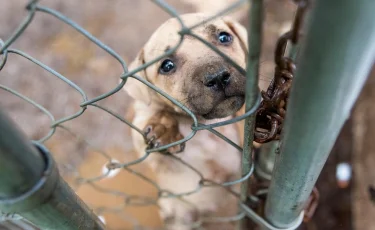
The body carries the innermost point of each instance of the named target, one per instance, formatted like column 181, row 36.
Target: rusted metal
column 271, row 113
column 311, row 205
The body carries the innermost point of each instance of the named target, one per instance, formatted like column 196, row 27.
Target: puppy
column 213, row 90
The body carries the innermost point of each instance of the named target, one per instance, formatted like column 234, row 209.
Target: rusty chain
column 311, row 205
column 271, row 113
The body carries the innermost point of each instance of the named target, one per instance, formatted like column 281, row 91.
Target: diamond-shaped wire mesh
column 33, row 8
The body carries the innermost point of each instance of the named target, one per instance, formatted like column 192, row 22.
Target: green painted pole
column 252, row 90
column 30, row 185
column 336, row 57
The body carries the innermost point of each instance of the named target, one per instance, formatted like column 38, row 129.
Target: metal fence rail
column 252, row 103
column 34, row 181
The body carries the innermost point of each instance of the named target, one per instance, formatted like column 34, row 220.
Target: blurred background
column 125, row 25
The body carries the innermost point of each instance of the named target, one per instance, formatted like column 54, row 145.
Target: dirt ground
column 125, row 25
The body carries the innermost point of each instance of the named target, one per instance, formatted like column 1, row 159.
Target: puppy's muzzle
column 218, row 80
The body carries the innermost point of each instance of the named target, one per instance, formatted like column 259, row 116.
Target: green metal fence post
column 30, row 185
column 336, row 57
column 252, row 90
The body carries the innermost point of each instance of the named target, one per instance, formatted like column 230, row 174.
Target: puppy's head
column 195, row 75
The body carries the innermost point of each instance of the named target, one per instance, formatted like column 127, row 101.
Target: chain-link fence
column 268, row 130
column 133, row 199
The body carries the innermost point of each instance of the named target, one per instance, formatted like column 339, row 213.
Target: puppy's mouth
column 226, row 107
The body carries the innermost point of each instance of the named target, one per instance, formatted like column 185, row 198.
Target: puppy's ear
column 240, row 32
column 136, row 89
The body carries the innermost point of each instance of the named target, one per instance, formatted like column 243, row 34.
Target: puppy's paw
column 158, row 134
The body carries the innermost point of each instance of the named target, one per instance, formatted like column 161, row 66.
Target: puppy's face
column 196, row 75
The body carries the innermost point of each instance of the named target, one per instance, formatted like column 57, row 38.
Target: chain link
column 271, row 113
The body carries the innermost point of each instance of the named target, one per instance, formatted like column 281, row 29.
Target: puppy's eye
column 225, row 38
column 167, row 66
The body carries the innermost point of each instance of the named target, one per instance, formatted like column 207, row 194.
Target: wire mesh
column 34, row 7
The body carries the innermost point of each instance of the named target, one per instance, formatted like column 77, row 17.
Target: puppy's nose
column 221, row 78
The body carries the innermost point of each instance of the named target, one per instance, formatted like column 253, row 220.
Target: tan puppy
column 211, row 88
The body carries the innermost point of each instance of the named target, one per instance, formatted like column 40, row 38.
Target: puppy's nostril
column 210, row 83
column 225, row 78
